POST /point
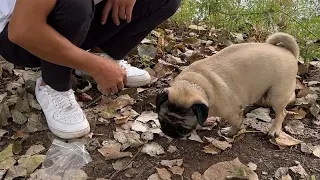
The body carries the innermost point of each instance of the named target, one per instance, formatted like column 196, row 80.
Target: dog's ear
column 201, row 110
column 160, row 99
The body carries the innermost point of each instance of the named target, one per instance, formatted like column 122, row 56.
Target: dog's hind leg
column 280, row 96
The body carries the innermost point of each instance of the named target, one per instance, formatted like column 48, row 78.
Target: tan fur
column 240, row 75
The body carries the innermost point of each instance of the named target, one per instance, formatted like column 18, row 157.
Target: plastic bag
column 62, row 157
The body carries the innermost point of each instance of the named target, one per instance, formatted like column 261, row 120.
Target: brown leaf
column 222, row 145
column 177, row 170
column 171, row 163
column 196, row 176
column 107, row 107
column 316, row 151
column 295, row 127
column 111, row 150
column 164, row 174
column 301, row 114
column 227, row 169
column 302, row 90
column 210, row 149
column 121, row 119
column 195, row 137
column 284, row 140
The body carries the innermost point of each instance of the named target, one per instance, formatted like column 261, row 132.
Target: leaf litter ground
column 126, row 142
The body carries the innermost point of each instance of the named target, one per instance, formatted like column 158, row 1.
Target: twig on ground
column 124, row 167
column 92, row 102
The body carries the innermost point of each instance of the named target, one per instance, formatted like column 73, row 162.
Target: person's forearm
column 43, row 41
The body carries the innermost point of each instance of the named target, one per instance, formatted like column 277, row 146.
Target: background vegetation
column 259, row 18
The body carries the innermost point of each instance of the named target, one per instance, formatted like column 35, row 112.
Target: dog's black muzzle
column 174, row 130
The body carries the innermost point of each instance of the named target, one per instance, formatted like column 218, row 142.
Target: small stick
column 124, row 167
column 92, row 102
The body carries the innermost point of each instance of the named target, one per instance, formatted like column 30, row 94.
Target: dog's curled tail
column 286, row 41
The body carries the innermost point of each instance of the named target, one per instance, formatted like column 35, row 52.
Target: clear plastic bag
column 62, row 157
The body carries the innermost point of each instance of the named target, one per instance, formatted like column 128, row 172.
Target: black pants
column 80, row 22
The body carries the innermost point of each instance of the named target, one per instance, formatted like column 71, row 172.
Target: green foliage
column 259, row 18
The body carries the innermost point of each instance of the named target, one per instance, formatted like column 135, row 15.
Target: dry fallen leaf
column 309, row 99
column 315, row 109
column 75, row 174
column 2, row 172
column 286, row 177
column 30, row 163
column 140, row 126
column 16, row 171
column 147, row 116
column 164, row 174
column 107, row 107
column 258, row 125
column 171, row 163
column 285, row 140
column 2, row 133
column 35, row 149
column 172, row 149
column 119, row 164
column 298, row 169
column 148, row 136
column 198, row 28
column 154, row 177
column 177, row 170
column 295, row 127
column 133, row 139
column 222, row 145
column 6, row 153
column 307, row 148
column 196, row 176
column 7, row 163
column 316, row 151
column 18, row 117
column 260, row 113
column 228, row 169
column 111, row 150
column 252, row 166
column 210, row 149
column 301, row 114
column 195, row 137
column 152, row 149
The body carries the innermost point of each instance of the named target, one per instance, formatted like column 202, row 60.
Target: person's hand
column 120, row 9
column 111, row 77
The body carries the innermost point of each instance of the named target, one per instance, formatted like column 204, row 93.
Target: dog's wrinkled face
column 179, row 122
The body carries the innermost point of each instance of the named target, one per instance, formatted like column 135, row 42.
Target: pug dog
column 222, row 85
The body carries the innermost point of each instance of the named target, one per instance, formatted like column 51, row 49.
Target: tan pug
column 224, row 84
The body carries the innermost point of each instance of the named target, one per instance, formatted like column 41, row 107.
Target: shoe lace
column 124, row 64
column 63, row 100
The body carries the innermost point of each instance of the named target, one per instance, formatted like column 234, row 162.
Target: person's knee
column 73, row 12
column 81, row 9
column 173, row 6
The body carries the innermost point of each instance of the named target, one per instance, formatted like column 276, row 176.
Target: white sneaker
column 136, row 77
column 64, row 115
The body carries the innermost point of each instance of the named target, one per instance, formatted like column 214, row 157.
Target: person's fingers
column 105, row 13
column 129, row 9
column 122, row 12
column 120, row 86
column 114, row 89
column 115, row 13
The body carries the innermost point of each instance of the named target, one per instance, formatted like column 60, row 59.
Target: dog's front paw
column 229, row 131
column 274, row 132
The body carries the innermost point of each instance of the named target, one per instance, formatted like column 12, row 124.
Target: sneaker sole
column 69, row 135
column 138, row 83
